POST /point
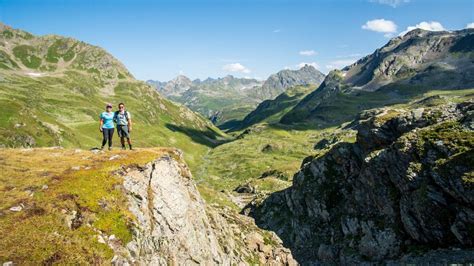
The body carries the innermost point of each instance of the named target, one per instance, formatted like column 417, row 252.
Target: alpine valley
column 370, row 164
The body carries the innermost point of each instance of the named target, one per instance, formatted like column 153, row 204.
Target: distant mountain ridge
column 181, row 83
column 231, row 98
column 279, row 82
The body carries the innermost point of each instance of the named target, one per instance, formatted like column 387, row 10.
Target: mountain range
column 229, row 99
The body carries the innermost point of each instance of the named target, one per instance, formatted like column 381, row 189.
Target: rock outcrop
column 405, row 185
column 174, row 226
column 279, row 82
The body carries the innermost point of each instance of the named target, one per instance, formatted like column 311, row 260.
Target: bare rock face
column 405, row 185
column 174, row 225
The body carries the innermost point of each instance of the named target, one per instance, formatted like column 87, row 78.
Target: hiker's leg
column 122, row 140
column 111, row 134
column 129, row 143
column 104, row 137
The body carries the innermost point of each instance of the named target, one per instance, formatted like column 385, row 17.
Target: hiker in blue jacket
column 107, row 126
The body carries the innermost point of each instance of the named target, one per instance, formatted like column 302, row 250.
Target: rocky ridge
column 405, row 67
column 38, row 56
column 279, row 82
column 175, row 226
column 405, row 186
column 416, row 57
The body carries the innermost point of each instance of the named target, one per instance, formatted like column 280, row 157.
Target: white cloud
column 302, row 64
column 392, row 3
column 431, row 26
column 276, row 30
column 308, row 52
column 236, row 67
column 338, row 64
column 470, row 25
column 380, row 25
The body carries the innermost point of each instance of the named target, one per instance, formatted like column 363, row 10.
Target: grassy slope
column 271, row 111
column 61, row 106
column 64, row 111
column 233, row 105
column 342, row 107
column 268, row 147
column 45, row 183
column 245, row 160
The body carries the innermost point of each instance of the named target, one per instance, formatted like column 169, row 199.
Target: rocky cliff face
column 417, row 56
column 174, row 226
column 405, row 185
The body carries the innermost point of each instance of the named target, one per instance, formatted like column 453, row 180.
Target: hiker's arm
column 129, row 124
column 101, row 123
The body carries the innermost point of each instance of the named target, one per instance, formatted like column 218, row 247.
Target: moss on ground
column 48, row 186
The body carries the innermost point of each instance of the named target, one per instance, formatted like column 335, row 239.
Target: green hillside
column 272, row 110
column 52, row 90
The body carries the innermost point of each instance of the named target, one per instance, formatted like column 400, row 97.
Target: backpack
column 117, row 113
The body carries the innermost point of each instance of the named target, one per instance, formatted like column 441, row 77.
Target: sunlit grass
column 50, row 183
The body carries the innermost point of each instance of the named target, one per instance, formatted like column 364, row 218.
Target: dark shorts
column 123, row 131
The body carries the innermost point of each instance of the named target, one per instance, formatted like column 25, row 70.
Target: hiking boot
column 110, row 148
column 131, row 147
column 124, row 148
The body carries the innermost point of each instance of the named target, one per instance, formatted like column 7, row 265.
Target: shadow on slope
column 206, row 137
column 230, row 125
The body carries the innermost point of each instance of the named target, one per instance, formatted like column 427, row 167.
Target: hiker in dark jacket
column 123, row 119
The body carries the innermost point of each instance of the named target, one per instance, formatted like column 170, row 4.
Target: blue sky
column 247, row 38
